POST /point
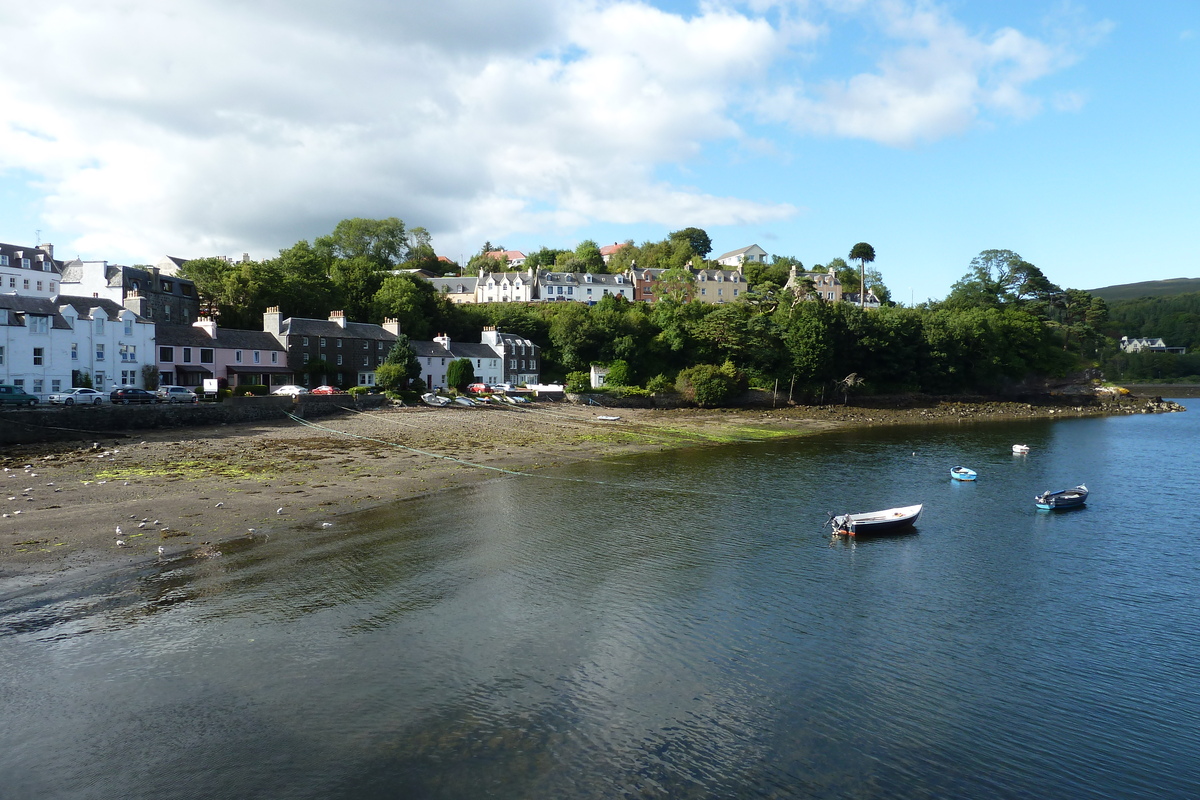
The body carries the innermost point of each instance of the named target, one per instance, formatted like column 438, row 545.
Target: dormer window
column 168, row 287
column 620, row 279
column 588, row 277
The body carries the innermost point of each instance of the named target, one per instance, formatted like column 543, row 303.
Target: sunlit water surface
column 675, row 625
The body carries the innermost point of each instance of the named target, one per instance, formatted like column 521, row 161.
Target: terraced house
column 333, row 351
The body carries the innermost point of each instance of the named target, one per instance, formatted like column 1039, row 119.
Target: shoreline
column 191, row 491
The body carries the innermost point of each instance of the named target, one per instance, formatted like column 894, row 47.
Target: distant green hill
column 1132, row 291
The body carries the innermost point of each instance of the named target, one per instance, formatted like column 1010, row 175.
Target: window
column 39, row 356
column 339, row 344
column 128, row 377
column 322, row 342
column 134, row 285
column 206, row 355
column 186, row 288
column 37, row 385
column 274, row 357
column 166, row 313
column 129, row 353
column 19, row 383
column 237, row 356
column 74, row 351
column 304, row 341
column 166, row 354
column 25, row 263
column 366, row 361
column 3, row 261
column 187, row 355
column 3, row 316
column 306, row 358
column 56, row 385
column 53, row 287
column 129, row 327
column 26, row 283
column 366, row 345
column 168, row 287
column 12, row 283
column 339, row 359
column 39, row 286
column 1, row 354
column 99, row 325
column 39, row 324
column 380, row 346
column 257, row 357
column 99, row 353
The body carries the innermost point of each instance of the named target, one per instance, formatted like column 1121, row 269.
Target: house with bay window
column 187, row 355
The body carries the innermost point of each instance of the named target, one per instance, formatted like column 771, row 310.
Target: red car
column 478, row 388
column 327, row 390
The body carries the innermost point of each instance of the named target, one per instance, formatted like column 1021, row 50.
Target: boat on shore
column 962, row 473
column 1067, row 498
column 875, row 523
column 463, row 400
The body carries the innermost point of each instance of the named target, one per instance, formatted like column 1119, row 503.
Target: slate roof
column 20, row 305
column 457, row 350
column 737, row 252
column 32, row 253
column 301, row 326
column 226, row 339
column 83, row 307
column 468, row 284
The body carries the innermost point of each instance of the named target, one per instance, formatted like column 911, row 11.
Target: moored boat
column 1020, row 448
column 1067, row 498
column 875, row 523
column 962, row 473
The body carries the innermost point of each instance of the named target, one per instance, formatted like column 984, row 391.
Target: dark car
column 16, row 396
column 128, row 394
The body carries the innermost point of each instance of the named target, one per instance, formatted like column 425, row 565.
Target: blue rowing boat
column 962, row 474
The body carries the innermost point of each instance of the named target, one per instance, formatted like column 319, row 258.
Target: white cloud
column 208, row 126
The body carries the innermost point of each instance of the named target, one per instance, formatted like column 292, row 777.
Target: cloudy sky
column 1066, row 130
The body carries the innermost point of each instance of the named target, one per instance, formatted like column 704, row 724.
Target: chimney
column 49, row 248
column 208, row 325
column 392, row 325
column 443, row 340
column 273, row 322
column 135, row 302
column 339, row 317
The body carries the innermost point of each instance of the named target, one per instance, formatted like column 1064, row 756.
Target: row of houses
column 129, row 326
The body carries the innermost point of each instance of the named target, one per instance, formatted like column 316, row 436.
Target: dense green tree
column 383, row 243
column 696, row 238
column 707, row 385
column 399, row 367
column 1000, row 277
column 544, row 258
column 412, row 301
column 460, row 373
column 588, row 255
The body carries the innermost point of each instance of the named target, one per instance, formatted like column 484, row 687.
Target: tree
column 399, row 366
column 864, row 254
column 412, row 301
column 696, row 238
column 1001, row 277
column 847, row 383
column 382, row 242
column 460, row 373
column 588, row 253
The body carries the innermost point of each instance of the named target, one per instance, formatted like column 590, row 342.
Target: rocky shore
column 123, row 497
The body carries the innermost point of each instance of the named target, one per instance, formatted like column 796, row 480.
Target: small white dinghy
column 1020, row 448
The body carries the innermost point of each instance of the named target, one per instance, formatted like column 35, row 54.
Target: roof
column 21, row 305
column 83, row 306
column 511, row 255
column 300, row 326
column 609, row 249
column 452, row 285
column 36, row 255
column 226, row 338
column 456, row 350
column 738, row 252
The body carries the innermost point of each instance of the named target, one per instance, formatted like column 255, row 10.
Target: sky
column 1067, row 131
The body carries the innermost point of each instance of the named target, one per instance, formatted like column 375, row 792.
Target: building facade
column 165, row 299
column 334, row 351
column 189, row 354
column 29, row 271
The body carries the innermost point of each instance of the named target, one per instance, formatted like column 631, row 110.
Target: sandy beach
column 190, row 490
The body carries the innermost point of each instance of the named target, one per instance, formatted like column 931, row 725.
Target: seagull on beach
column 279, row 510
column 219, row 505
column 118, row 530
column 161, row 550
column 120, row 542
column 326, row 524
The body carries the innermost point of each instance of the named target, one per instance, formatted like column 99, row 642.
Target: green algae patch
column 190, row 470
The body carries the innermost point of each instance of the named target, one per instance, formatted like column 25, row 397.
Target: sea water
column 671, row 625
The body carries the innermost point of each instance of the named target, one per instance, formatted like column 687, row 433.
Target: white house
column 1152, row 344
column 504, row 287
column 110, row 342
column 29, row 271
column 586, row 287
column 35, row 345
column 498, row 358
column 735, row 258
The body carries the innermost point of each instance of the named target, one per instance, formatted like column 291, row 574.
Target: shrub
column 707, row 385
column 223, row 393
column 250, row 388
column 660, row 384
column 579, row 382
column 356, row 391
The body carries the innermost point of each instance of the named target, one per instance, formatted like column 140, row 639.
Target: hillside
column 1132, row 291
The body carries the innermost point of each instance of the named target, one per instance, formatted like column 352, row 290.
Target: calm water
column 668, row 626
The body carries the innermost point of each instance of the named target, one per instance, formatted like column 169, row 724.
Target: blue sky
column 1066, row 131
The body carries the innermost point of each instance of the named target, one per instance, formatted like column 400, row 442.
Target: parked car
column 291, row 389
column 478, row 388
column 327, row 390
column 129, row 394
column 77, row 395
column 15, row 395
column 176, row 394
column 503, row 387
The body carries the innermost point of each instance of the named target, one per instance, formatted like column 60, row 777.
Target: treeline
column 1176, row 319
column 1003, row 322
